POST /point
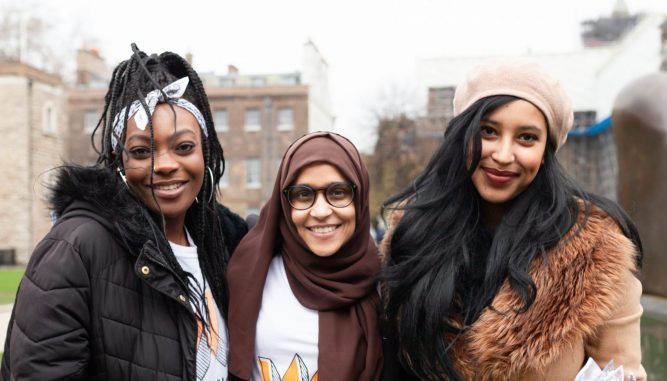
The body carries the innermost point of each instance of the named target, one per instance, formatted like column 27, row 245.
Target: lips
column 499, row 177
column 168, row 190
column 323, row 231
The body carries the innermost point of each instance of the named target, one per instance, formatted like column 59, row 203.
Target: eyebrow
column 325, row 186
column 528, row 127
column 148, row 139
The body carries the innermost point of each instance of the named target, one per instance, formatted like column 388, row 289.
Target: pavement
column 5, row 314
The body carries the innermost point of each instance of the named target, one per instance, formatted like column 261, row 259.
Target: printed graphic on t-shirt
column 211, row 346
column 297, row 370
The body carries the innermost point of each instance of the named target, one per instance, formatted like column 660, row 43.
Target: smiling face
column 514, row 138
column 179, row 162
column 324, row 228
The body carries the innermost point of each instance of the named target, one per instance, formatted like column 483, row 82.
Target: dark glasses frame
column 288, row 189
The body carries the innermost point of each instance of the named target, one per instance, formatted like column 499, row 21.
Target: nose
column 321, row 208
column 164, row 163
column 503, row 152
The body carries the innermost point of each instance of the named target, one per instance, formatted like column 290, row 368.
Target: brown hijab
column 341, row 287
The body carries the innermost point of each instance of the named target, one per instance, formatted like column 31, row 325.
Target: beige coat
column 587, row 304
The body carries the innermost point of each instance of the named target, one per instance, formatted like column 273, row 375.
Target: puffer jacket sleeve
column 49, row 337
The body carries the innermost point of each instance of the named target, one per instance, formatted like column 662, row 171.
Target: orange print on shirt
column 297, row 370
column 212, row 333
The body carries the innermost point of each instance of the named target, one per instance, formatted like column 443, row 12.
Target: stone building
column 33, row 128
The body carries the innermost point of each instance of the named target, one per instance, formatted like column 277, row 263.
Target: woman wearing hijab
column 303, row 299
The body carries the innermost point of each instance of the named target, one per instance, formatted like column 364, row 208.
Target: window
column 257, row 81
column 89, row 121
column 227, row 82
column 290, row 79
column 285, row 119
column 8, row 256
column 252, row 120
column 224, row 180
column 584, row 119
column 221, row 120
column 441, row 102
column 252, row 180
column 49, row 119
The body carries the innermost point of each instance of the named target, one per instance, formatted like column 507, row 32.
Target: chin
column 324, row 252
column 497, row 199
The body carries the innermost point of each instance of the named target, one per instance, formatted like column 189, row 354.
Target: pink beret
column 524, row 79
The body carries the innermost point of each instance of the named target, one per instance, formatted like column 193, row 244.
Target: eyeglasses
column 302, row 197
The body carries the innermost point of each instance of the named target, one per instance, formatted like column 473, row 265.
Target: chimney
column 90, row 66
column 188, row 57
column 232, row 70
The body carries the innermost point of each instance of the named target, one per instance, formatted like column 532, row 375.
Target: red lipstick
column 499, row 177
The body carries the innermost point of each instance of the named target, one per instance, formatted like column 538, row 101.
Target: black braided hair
column 130, row 81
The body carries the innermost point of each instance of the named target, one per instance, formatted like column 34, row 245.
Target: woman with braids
column 303, row 301
column 498, row 267
column 129, row 284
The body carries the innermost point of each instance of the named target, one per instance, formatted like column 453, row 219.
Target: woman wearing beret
column 498, row 267
column 304, row 303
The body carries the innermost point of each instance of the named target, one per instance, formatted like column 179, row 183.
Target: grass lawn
column 9, row 282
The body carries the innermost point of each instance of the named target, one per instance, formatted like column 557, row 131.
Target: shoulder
column 599, row 237
column 77, row 242
column 233, row 226
column 393, row 219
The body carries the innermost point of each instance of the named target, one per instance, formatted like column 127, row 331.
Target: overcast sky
column 372, row 46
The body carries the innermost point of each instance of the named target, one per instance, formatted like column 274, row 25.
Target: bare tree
column 28, row 37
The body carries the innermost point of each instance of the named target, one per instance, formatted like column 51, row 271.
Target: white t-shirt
column 287, row 332
column 212, row 346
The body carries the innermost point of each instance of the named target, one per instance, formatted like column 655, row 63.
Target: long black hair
column 131, row 80
column 445, row 266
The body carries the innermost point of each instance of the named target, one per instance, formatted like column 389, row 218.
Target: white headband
column 174, row 91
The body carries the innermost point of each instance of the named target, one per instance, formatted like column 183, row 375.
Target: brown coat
column 587, row 304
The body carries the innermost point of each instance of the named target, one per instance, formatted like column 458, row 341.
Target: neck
column 492, row 214
column 175, row 231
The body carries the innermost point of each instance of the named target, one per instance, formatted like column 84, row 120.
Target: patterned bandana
column 174, row 91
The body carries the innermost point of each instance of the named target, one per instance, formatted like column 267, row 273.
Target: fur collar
column 578, row 286
column 100, row 194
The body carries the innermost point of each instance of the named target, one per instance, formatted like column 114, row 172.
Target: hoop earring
column 210, row 175
column 122, row 177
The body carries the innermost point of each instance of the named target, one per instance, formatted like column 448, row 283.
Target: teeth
column 167, row 187
column 323, row 229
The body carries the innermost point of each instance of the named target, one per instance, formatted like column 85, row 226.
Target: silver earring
column 122, row 176
column 210, row 174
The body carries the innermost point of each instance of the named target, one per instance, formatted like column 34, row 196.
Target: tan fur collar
column 576, row 292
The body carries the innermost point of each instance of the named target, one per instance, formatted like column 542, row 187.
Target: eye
column 301, row 194
column 487, row 131
column 339, row 191
column 186, row 147
column 528, row 138
column 140, row 152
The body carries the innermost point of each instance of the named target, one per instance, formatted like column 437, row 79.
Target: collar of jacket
column 99, row 194
column 578, row 285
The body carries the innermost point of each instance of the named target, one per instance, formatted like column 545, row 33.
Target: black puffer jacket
column 98, row 301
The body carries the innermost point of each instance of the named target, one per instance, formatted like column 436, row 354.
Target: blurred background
column 382, row 73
